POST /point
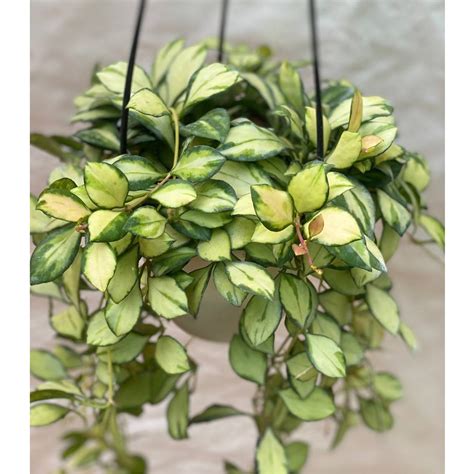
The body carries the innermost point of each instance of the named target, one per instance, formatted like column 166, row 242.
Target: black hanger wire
column 128, row 79
column 220, row 56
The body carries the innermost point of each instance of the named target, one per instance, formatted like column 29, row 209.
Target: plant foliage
column 222, row 170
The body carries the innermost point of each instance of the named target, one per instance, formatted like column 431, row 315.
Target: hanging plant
column 221, row 187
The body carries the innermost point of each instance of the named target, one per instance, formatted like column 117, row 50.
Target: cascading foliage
column 221, row 172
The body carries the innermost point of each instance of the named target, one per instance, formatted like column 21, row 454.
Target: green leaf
column 216, row 412
column 39, row 221
column 171, row 356
column 338, row 184
column 292, row 87
column 355, row 254
column 166, row 297
column 309, row 188
column 301, row 368
column 359, row 203
column 146, row 102
column 178, row 412
column 244, row 206
column 434, row 228
column 297, row 454
column 105, row 184
column 357, row 107
column 408, row 336
column 68, row 323
column 195, row 290
column 326, row 355
column 353, row 351
column 99, row 333
column 99, row 264
column 46, row 366
column 214, row 125
column 226, row 288
column 49, row 394
column 394, row 214
column 273, row 207
column 121, row 317
column 214, row 196
column 103, row 136
column 246, row 362
column 311, row 128
column 347, row 151
column 107, row 226
column 261, row 318
column 46, row 414
column 54, row 254
column 146, row 222
column 333, row 226
column 163, row 60
column 174, row 259
column 55, row 146
column 141, row 173
column 217, row 248
column 375, row 415
column 175, row 194
column 135, row 391
column 384, row 308
column 150, row 111
column 62, row 204
column 337, row 305
column 248, row 142
column 316, row 406
column 271, row 456
column 326, row 325
column 416, row 171
column 349, row 420
column 264, row 236
column 251, row 277
column 125, row 350
column 240, row 231
column 113, row 78
column 184, row 65
column 209, row 81
column 297, row 298
column 387, row 386
column 125, row 275
column 49, row 289
column 198, row 163
column 241, row 176
column 372, row 107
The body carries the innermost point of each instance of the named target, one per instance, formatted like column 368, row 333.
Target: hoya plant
column 221, row 186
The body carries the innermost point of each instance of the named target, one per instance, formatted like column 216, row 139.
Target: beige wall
column 386, row 47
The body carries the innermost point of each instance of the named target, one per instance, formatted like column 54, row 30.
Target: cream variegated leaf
column 54, row 254
column 175, row 193
column 249, row 142
column 309, row 188
column 106, row 185
column 62, row 204
column 333, row 226
column 209, row 81
column 273, row 207
column 99, row 263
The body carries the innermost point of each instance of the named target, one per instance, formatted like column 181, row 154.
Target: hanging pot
column 217, row 319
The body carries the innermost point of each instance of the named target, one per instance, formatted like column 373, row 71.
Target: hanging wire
column 128, row 79
column 317, row 85
column 220, row 52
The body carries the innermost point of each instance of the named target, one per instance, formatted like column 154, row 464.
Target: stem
column 138, row 201
column 304, row 245
column 110, row 394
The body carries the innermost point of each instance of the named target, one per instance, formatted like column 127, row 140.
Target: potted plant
column 221, row 202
